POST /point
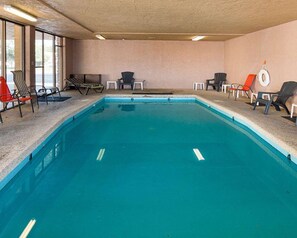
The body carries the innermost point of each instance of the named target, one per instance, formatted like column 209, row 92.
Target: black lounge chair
column 217, row 81
column 277, row 99
column 24, row 91
column 78, row 84
column 127, row 79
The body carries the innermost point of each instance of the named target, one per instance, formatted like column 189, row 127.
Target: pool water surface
column 129, row 170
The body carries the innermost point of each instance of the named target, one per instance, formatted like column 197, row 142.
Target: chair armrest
column 235, row 85
column 239, row 87
column 14, row 93
column 273, row 96
column 43, row 90
column 260, row 94
column 208, row 80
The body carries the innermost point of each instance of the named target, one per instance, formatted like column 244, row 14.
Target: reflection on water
column 25, row 182
column 138, row 170
column 100, row 110
column 127, row 107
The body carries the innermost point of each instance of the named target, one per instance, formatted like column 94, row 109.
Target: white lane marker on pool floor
column 28, row 228
column 100, row 154
column 198, row 154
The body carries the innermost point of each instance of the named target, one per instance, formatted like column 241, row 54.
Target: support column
column 18, row 47
column 67, row 58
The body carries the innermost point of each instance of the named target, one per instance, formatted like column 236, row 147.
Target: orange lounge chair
column 6, row 97
column 243, row 88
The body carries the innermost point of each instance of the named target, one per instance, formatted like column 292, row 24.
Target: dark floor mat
column 53, row 99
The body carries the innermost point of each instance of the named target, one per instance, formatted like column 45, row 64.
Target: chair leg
column 37, row 102
column 217, row 87
column 267, row 106
column 247, row 94
column 58, row 90
column 236, row 94
column 229, row 93
column 79, row 91
column 1, row 121
column 276, row 107
column 19, row 104
column 87, row 90
column 255, row 105
column 32, row 105
column 287, row 110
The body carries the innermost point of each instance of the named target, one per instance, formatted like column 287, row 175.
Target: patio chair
column 127, row 79
column 24, row 91
column 237, row 88
column 217, row 81
column 6, row 97
column 78, row 84
column 277, row 99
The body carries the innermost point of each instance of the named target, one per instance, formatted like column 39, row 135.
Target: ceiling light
column 196, row 38
column 100, row 37
column 19, row 13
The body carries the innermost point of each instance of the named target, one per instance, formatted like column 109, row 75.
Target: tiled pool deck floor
column 20, row 136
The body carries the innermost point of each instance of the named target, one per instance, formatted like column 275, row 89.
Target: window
column 49, row 73
column 1, row 49
column 48, row 60
column 11, row 51
column 39, row 58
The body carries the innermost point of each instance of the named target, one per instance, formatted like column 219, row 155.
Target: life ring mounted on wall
column 264, row 77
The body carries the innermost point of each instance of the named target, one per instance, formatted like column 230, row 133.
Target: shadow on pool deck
column 19, row 136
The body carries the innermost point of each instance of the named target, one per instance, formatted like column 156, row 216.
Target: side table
column 111, row 83
column 197, row 86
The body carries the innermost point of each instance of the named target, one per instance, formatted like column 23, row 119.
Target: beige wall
column 277, row 45
column 163, row 64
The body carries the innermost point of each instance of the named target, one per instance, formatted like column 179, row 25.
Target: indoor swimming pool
column 152, row 168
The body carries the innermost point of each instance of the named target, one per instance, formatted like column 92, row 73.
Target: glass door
column 14, row 51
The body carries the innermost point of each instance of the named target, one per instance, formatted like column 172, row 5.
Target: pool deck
column 20, row 136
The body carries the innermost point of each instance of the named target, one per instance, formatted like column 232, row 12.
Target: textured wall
column 277, row 45
column 163, row 64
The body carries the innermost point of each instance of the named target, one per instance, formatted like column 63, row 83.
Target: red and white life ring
column 264, row 77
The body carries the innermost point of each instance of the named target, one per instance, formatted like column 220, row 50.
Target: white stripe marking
column 100, row 154
column 198, row 154
column 28, row 228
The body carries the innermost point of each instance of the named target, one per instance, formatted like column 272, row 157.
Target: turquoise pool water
column 127, row 169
